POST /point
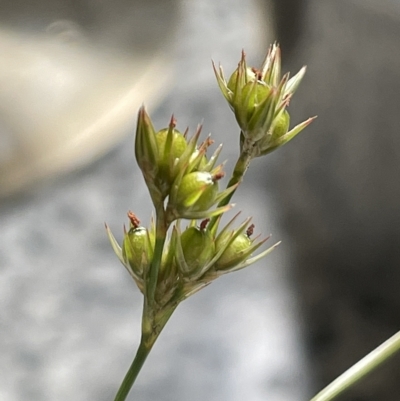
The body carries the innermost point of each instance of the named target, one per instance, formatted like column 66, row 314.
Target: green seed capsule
column 137, row 249
column 197, row 191
column 252, row 97
column 166, row 158
column 282, row 126
column 198, row 248
column 250, row 76
column 207, row 198
column 233, row 254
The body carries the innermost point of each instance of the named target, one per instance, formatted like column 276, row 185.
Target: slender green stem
column 238, row 173
column 150, row 332
column 154, row 316
column 141, row 355
column 161, row 235
column 360, row 369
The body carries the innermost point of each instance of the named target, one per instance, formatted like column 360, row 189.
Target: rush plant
column 185, row 248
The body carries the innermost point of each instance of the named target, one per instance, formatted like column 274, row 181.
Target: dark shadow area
column 338, row 185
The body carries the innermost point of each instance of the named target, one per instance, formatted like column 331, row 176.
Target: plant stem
column 161, row 235
column 238, row 173
column 130, row 377
column 360, row 369
column 150, row 332
column 154, row 316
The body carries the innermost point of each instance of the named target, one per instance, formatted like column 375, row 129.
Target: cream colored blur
column 68, row 92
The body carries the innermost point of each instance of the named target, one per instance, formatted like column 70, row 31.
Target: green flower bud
column 257, row 96
column 168, row 152
column 198, row 249
column 234, row 253
column 197, row 191
column 146, row 151
column 137, row 250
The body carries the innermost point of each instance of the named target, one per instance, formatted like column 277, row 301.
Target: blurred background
column 338, row 185
column 73, row 75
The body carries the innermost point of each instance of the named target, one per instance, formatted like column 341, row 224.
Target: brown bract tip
column 218, row 176
column 206, row 143
column 172, row 123
column 287, row 98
